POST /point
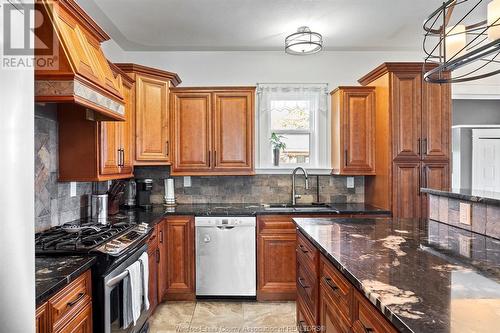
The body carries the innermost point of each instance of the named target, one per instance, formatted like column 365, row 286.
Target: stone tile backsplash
column 53, row 204
column 252, row 189
column 485, row 218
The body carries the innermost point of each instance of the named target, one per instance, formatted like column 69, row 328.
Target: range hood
column 70, row 64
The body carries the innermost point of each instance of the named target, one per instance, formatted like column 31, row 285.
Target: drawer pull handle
column 369, row 330
column 302, row 326
column 302, row 248
column 301, row 282
column 330, row 283
column 78, row 298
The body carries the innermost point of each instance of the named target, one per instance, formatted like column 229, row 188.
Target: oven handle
column 117, row 279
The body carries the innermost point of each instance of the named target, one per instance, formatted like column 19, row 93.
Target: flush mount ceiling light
column 303, row 42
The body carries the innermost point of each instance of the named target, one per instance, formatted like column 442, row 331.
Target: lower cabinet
column 153, row 261
column 179, row 261
column 340, row 307
column 276, row 242
column 70, row 310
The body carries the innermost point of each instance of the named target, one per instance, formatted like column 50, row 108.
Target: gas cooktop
column 112, row 239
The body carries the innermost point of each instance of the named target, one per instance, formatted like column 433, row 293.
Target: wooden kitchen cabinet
column 213, row 131
column 92, row 150
column 152, row 115
column 180, row 259
column 69, row 310
column 366, row 318
column 276, row 258
column 153, row 262
column 353, row 131
column 307, row 277
column 413, row 129
column 162, row 253
column 331, row 319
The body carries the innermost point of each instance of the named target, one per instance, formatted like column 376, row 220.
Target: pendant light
column 303, row 42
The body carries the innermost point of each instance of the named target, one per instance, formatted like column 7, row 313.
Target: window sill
column 288, row 171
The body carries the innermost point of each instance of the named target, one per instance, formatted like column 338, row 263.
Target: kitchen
column 189, row 177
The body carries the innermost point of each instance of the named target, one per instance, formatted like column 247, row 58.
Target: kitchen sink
column 299, row 208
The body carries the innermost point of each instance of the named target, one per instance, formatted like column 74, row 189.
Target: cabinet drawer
column 81, row 322
column 331, row 318
column 281, row 224
column 307, row 254
column 307, row 290
column 304, row 321
column 69, row 301
column 367, row 318
column 339, row 289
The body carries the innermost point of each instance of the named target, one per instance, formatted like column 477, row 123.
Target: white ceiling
column 257, row 25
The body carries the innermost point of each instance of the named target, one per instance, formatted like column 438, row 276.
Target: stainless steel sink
column 311, row 208
column 305, row 208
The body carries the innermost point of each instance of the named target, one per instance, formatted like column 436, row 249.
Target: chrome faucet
column 297, row 196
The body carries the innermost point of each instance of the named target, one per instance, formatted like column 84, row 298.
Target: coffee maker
column 144, row 187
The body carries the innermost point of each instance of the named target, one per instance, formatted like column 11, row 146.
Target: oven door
column 113, row 299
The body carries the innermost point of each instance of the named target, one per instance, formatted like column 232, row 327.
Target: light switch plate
column 72, row 189
column 187, row 181
column 465, row 213
column 350, row 182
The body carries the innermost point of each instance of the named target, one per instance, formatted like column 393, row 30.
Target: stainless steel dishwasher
column 225, row 256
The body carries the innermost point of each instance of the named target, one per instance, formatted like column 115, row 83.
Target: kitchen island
column 419, row 275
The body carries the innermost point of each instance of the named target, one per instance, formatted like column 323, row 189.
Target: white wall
column 17, row 264
column 249, row 68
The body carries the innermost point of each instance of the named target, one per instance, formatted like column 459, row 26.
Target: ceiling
column 258, row 25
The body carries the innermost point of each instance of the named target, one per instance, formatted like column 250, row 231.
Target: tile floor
column 224, row 317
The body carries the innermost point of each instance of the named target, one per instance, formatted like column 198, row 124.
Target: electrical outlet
column 72, row 189
column 465, row 213
column 109, row 183
column 187, row 181
column 464, row 243
column 350, row 182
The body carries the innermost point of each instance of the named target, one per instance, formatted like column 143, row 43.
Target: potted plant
column 278, row 144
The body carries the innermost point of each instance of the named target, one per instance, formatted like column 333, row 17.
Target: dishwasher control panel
column 230, row 221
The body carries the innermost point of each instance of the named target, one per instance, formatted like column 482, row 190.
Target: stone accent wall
column 485, row 218
column 53, row 204
column 252, row 189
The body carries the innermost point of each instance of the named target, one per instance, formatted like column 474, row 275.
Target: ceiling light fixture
column 303, row 42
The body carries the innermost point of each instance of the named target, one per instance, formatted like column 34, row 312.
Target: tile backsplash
column 53, row 203
column 252, row 189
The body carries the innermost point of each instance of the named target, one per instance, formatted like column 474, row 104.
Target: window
column 298, row 115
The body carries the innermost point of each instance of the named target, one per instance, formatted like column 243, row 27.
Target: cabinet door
column 153, row 260
column 331, row 319
column 180, row 258
column 436, row 176
column 233, row 131
column 367, row 318
column 127, row 132
column 276, row 266
column 151, row 120
column 42, row 319
column 358, row 125
column 406, row 106
column 192, row 132
column 110, row 145
column 406, row 190
column 436, row 121
column 162, row 259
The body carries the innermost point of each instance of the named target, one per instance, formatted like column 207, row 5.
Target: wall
column 53, row 203
column 249, row 68
column 252, row 189
column 476, row 112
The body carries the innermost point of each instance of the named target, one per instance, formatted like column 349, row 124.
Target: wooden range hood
column 70, row 64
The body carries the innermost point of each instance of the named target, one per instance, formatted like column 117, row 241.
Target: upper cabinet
column 72, row 68
column 96, row 150
column 152, row 114
column 213, row 131
column 353, row 131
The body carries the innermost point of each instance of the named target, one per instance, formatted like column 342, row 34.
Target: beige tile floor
column 224, row 317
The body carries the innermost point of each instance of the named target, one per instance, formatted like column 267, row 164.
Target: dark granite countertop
column 424, row 276
column 54, row 273
column 492, row 198
column 252, row 209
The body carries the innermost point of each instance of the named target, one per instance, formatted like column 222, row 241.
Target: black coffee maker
column 144, row 187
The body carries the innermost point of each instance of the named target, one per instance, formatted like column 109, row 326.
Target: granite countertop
column 252, row 209
column 424, row 276
column 54, row 273
column 492, row 198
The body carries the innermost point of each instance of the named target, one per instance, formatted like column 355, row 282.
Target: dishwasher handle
column 224, row 227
